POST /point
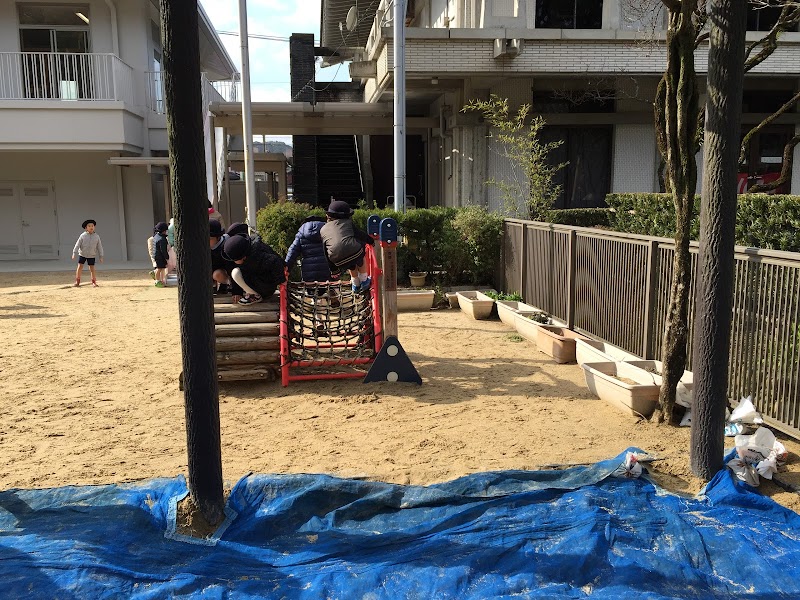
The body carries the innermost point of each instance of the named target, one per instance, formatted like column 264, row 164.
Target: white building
column 82, row 129
column 582, row 64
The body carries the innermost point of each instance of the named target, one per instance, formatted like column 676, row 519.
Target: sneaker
column 160, row 284
column 94, row 283
column 77, row 283
column 356, row 286
column 250, row 299
column 365, row 284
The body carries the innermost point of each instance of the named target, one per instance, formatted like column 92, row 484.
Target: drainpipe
column 114, row 32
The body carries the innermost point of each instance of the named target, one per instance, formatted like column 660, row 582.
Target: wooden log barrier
column 247, row 339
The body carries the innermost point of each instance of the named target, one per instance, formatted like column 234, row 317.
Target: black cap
column 236, row 247
column 87, row 221
column 339, row 209
column 161, row 226
column 214, row 228
column 238, row 229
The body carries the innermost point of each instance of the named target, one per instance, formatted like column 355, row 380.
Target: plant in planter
column 527, row 324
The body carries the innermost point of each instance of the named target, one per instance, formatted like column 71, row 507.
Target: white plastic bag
column 752, row 449
column 630, row 468
column 746, row 412
column 744, row 472
column 683, row 396
column 686, row 421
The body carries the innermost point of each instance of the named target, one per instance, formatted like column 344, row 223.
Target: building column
column 123, row 235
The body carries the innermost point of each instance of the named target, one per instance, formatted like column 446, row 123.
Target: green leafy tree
column 531, row 191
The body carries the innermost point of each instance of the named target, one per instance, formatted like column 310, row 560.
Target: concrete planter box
column 507, row 309
column 636, row 396
column 526, row 327
column 415, row 300
column 557, row 342
column 653, row 368
column 594, row 351
column 452, row 299
column 475, row 304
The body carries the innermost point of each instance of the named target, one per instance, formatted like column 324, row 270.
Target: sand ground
column 90, row 396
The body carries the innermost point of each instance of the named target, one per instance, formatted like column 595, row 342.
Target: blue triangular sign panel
column 393, row 364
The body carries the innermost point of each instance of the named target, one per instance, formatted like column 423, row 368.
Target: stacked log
column 248, row 339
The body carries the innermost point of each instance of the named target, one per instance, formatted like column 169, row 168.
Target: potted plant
column 418, row 278
column 527, row 324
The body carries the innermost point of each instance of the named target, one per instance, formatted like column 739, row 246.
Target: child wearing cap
column 258, row 271
column 88, row 248
column 161, row 253
column 344, row 244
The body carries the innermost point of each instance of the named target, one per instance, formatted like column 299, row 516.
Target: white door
column 11, row 245
column 39, row 226
column 28, row 228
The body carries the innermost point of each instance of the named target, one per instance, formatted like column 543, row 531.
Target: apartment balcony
column 57, row 101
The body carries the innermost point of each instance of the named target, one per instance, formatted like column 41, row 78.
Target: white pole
column 247, row 119
column 399, row 64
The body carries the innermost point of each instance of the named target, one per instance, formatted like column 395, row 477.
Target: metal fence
column 64, row 76
column 615, row 287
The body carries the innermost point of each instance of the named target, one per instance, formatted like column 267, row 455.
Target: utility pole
column 399, row 105
column 247, row 119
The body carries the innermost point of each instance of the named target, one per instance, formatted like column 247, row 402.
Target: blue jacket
column 308, row 247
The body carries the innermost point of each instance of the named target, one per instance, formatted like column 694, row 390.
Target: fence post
column 523, row 261
column 572, row 267
column 650, row 298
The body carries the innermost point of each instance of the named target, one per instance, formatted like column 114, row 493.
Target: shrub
column 278, row 223
column 762, row 220
column 582, row 217
column 482, row 233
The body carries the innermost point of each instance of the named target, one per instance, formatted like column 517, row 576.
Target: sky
column 269, row 60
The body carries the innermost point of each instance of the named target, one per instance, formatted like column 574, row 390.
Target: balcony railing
column 64, row 76
column 213, row 91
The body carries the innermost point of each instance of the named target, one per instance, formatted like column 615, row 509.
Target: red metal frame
column 287, row 364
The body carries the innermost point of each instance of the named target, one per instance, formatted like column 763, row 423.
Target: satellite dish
column 352, row 18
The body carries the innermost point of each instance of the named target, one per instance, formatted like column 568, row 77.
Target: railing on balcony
column 64, row 76
column 212, row 91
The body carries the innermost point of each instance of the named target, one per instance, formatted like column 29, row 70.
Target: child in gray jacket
column 88, row 248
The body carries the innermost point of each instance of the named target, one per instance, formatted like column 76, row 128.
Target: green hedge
column 455, row 246
column 762, row 220
column 582, row 217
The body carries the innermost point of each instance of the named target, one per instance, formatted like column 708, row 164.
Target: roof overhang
column 151, row 163
column 322, row 118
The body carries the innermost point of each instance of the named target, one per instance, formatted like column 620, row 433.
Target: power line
column 259, row 36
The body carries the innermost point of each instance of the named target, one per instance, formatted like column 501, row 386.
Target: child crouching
column 344, row 244
column 259, row 271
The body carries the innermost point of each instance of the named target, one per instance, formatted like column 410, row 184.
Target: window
column 569, row 14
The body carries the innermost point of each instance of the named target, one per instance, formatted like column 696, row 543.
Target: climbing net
column 328, row 325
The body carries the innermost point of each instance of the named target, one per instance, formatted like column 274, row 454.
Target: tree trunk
column 680, row 105
column 179, row 23
column 717, row 235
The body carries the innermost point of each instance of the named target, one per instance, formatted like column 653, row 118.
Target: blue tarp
column 544, row 534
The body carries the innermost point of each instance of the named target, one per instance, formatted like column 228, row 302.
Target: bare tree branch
column 788, row 19
column 786, row 169
column 783, row 109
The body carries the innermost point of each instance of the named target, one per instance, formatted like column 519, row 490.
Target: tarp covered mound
column 567, row 534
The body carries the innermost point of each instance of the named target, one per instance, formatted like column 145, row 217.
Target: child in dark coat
column 259, row 269
column 220, row 268
column 344, row 244
column 161, row 253
column 308, row 247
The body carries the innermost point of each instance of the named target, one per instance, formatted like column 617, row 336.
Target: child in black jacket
column 161, row 253
column 344, row 244
column 259, row 269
